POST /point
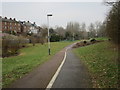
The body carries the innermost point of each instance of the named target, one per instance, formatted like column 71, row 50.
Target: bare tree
column 92, row 31
column 73, row 29
column 83, row 31
column 43, row 34
column 60, row 31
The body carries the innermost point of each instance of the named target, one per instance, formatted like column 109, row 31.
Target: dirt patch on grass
column 21, row 54
column 85, row 43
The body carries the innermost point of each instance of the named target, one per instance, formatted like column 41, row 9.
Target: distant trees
column 61, row 32
column 97, row 29
column 92, row 31
column 77, row 31
column 83, row 32
column 101, row 29
column 73, row 31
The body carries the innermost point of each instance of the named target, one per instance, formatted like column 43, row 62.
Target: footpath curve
column 41, row 76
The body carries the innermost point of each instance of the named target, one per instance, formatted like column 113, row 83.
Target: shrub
column 54, row 38
column 84, row 42
column 11, row 44
column 93, row 40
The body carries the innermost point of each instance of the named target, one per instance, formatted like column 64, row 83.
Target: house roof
column 8, row 20
column 21, row 22
column 28, row 23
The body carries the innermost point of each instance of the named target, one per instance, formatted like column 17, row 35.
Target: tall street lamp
column 48, row 33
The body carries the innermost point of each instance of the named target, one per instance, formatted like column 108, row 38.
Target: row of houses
column 19, row 27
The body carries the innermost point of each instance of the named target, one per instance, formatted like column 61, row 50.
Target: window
column 5, row 23
column 5, row 27
column 10, row 23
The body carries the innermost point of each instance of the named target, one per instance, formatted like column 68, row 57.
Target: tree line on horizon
column 76, row 31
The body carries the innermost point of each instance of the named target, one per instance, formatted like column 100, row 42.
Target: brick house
column 24, row 26
column 27, row 26
column 9, row 25
column 30, row 27
column 19, row 27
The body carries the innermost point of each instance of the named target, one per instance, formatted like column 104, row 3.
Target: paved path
column 73, row 74
column 41, row 76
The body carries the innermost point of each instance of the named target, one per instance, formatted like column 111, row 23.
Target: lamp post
column 48, row 33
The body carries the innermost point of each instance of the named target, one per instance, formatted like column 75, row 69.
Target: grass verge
column 17, row 66
column 101, row 60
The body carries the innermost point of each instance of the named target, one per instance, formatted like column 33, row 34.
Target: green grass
column 101, row 61
column 101, row 38
column 17, row 66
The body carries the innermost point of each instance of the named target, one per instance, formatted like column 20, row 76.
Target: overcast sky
column 63, row 12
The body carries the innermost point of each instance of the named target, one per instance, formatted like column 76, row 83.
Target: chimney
column 28, row 21
column 0, row 16
column 10, row 18
column 5, row 17
column 34, row 22
column 14, row 19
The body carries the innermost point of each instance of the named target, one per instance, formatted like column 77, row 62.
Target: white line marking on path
column 57, row 72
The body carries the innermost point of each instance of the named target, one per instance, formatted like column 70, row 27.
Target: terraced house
column 19, row 27
column 9, row 25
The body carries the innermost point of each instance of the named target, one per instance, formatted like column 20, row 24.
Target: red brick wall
column 11, row 26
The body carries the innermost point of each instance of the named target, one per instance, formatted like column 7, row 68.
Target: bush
column 11, row 44
column 84, row 42
column 93, row 40
column 55, row 38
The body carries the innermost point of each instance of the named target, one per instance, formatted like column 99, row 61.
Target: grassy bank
column 102, row 38
column 16, row 66
column 101, row 61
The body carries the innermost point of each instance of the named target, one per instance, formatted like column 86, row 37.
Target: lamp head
column 49, row 14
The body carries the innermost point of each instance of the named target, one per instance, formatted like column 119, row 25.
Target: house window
column 5, row 27
column 15, row 23
column 5, row 23
column 10, row 27
column 10, row 23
